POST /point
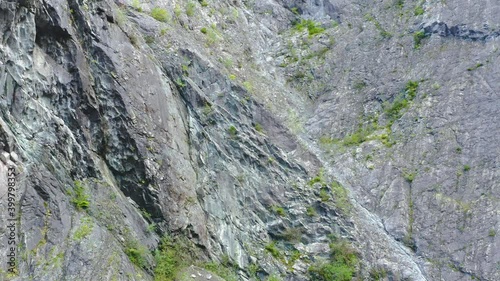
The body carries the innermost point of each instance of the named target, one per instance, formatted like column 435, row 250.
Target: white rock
column 4, row 156
column 14, row 157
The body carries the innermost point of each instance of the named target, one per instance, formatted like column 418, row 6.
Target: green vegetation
column 160, row 14
column 79, row 196
column 318, row 178
column 136, row 253
column 173, row 255
column 278, row 210
column 225, row 269
column 341, row 197
column 212, row 34
column 312, row 27
column 341, row 265
column 384, row 33
column 310, row 211
column 466, row 168
column 295, row 10
column 180, row 83
column 417, row 38
column 177, row 11
column 492, row 233
column 170, row 257
column 377, row 273
column 120, row 17
column 274, row 277
column 273, row 250
column 258, row 128
column 419, row 11
column 475, row 67
column 248, row 86
column 394, row 110
column 323, row 195
column 232, row 131
column 409, row 176
column 292, row 234
column 190, row 9
column 85, row 228
column 204, row 3
column 136, row 4
column 149, row 39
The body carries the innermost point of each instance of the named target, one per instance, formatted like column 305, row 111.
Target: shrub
column 411, row 89
column 331, row 272
column 278, row 210
column 204, row 3
column 409, row 177
column 417, row 38
column 160, row 14
column 466, row 168
column 190, row 9
column 232, row 131
column 136, row 253
column 79, row 197
column 340, row 266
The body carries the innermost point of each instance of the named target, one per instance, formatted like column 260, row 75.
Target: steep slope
column 266, row 134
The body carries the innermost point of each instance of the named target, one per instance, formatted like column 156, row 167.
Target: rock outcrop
column 267, row 134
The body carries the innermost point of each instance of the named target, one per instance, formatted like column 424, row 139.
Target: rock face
column 257, row 130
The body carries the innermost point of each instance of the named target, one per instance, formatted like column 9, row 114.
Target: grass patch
column 212, row 34
column 341, row 265
column 136, row 4
column 312, row 27
column 84, row 230
column 341, row 197
column 419, row 11
column 273, row 250
column 394, row 110
column 409, row 176
column 232, row 131
column 310, row 211
column 160, row 14
column 323, row 195
column 258, row 127
column 292, row 234
column 190, row 9
column 171, row 256
column 278, row 210
column 417, row 39
column 136, row 253
column 80, row 197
